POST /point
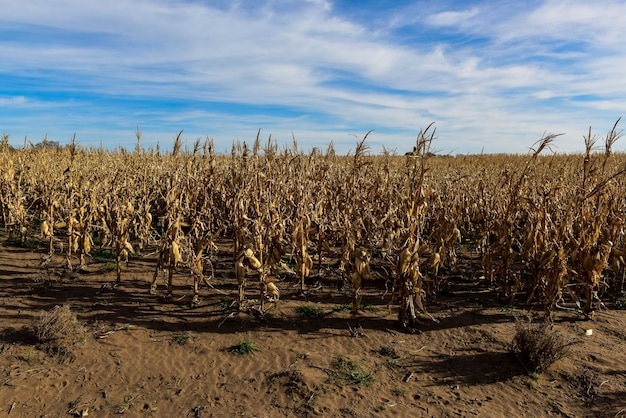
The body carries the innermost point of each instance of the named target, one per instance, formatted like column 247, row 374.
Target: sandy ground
column 148, row 355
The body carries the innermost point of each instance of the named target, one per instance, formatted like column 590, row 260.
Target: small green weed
column 270, row 316
column 347, row 372
column 243, row 347
column 388, row 351
column 309, row 311
column 346, row 307
column 227, row 303
column 181, row 339
column 30, row 354
column 510, row 310
column 477, row 310
column 28, row 244
column 109, row 267
column 369, row 308
column 102, row 256
column 392, row 364
column 125, row 404
column 342, row 308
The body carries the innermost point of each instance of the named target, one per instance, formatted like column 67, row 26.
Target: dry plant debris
column 538, row 346
column 59, row 329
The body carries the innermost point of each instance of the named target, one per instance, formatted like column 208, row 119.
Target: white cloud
column 452, row 18
column 15, row 101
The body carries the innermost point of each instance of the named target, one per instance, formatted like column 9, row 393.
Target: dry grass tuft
column 538, row 346
column 59, row 329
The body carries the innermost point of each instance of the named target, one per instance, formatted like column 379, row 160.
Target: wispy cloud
column 452, row 18
column 492, row 75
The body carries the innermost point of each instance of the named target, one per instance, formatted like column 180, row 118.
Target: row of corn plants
column 548, row 228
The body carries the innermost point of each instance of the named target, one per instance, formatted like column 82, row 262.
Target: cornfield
column 548, row 228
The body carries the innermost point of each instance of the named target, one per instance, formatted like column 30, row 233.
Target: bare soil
column 150, row 355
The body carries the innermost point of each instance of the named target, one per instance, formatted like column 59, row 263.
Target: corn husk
column 175, row 252
column 272, row 291
column 252, row 260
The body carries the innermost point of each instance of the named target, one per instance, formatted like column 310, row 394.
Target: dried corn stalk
column 361, row 272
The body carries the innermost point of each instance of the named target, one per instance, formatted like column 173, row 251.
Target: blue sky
column 493, row 75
